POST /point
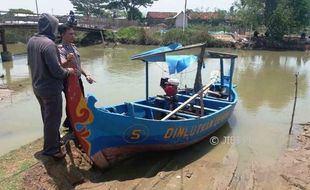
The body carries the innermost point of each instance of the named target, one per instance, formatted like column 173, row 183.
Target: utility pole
column 184, row 16
column 37, row 7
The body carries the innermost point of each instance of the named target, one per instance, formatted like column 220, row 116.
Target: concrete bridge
column 29, row 21
column 7, row 56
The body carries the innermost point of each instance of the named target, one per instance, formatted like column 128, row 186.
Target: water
column 265, row 82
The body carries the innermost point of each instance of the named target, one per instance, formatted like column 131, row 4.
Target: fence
column 83, row 21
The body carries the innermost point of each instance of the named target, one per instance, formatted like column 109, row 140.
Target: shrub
column 190, row 36
column 131, row 35
column 14, row 36
column 152, row 37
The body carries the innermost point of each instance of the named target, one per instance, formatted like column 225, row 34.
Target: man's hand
column 70, row 57
column 68, row 61
column 71, row 71
column 89, row 79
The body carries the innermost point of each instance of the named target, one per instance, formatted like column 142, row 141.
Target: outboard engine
column 170, row 86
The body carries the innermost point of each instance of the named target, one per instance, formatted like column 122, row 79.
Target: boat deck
column 158, row 107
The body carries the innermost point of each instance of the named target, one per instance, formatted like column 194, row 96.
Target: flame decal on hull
column 78, row 112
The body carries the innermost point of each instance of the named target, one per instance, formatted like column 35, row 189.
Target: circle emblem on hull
column 136, row 134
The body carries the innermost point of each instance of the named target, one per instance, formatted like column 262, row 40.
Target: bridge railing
column 90, row 22
column 106, row 23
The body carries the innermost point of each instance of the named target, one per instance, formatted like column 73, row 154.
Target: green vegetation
column 111, row 8
column 153, row 36
column 15, row 163
column 273, row 17
column 280, row 22
column 89, row 7
column 20, row 10
column 278, row 17
column 14, row 36
column 130, row 7
column 131, row 35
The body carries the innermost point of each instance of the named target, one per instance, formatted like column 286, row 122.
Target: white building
column 179, row 20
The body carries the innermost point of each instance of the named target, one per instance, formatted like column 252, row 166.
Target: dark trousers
column 67, row 123
column 51, row 111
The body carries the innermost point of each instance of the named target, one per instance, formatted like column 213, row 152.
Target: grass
column 13, row 164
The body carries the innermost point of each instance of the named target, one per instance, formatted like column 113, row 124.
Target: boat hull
column 112, row 136
column 167, row 122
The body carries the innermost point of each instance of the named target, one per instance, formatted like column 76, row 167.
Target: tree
column 270, row 6
column 135, row 14
column 301, row 13
column 250, row 14
column 288, row 16
column 13, row 12
column 278, row 16
column 20, row 10
column 118, row 13
column 131, row 7
column 281, row 21
column 218, row 17
column 89, row 7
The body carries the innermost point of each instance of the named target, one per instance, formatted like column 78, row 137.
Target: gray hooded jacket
column 43, row 59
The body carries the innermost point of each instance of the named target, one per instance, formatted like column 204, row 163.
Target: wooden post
column 146, row 80
column 295, row 100
column 198, row 79
column 232, row 68
column 4, row 47
column 202, row 105
column 222, row 71
column 102, row 37
column 5, row 55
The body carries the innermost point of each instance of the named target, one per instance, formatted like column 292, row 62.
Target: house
column 203, row 16
column 213, row 18
column 171, row 19
column 179, row 20
column 155, row 18
column 174, row 19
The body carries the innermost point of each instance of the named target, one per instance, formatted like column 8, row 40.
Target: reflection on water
column 268, row 78
column 16, row 72
column 265, row 83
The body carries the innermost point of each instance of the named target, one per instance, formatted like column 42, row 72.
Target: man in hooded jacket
column 47, row 81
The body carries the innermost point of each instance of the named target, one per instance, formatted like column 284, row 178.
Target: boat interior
column 156, row 108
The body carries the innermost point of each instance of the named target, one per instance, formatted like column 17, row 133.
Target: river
column 259, row 127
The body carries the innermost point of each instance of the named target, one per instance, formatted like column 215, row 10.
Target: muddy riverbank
column 196, row 167
column 5, row 92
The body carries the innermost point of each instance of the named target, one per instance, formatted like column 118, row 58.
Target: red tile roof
column 203, row 16
column 161, row 15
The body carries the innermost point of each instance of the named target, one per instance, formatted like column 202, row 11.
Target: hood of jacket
column 47, row 25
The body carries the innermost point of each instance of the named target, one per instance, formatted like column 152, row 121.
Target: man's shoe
column 57, row 156
column 66, row 123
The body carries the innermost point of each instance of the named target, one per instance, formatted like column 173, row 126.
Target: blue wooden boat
column 158, row 123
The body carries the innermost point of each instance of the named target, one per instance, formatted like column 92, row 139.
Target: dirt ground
column 5, row 92
column 201, row 166
column 230, row 38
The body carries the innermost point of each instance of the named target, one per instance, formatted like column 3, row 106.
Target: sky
column 62, row 7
